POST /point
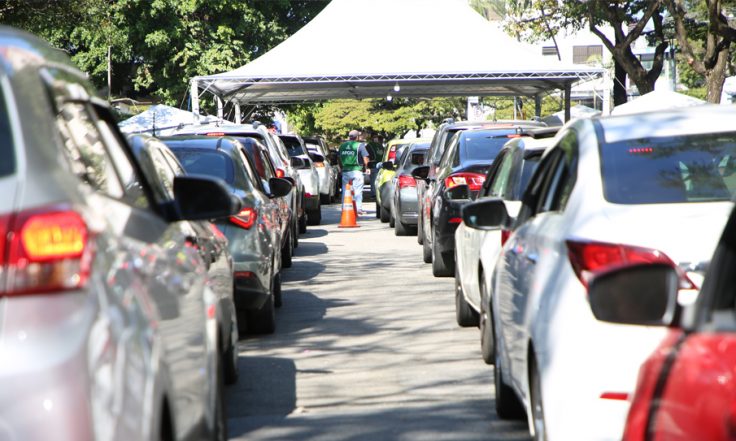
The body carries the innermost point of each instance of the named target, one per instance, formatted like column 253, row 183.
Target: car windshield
column 7, row 164
column 677, row 169
column 293, row 146
column 483, row 145
column 208, row 163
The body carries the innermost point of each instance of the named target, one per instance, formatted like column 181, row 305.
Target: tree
column 705, row 44
column 535, row 20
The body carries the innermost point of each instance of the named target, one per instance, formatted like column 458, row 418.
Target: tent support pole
column 607, row 86
column 237, row 113
column 194, row 93
column 537, row 105
column 219, row 107
column 568, row 91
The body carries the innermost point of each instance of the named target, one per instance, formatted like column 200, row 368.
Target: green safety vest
column 349, row 156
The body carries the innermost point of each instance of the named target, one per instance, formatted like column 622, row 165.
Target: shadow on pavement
column 313, row 233
column 304, row 313
column 301, row 271
column 310, row 249
column 271, row 380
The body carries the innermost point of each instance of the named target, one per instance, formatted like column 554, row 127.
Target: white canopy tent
column 370, row 48
column 161, row 120
column 656, row 100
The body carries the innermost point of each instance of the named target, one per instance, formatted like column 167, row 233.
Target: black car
column 458, row 179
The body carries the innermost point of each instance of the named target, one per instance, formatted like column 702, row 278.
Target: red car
column 687, row 387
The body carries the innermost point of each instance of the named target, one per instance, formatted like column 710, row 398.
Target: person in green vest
column 353, row 160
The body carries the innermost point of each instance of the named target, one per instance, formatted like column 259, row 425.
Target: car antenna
column 154, row 123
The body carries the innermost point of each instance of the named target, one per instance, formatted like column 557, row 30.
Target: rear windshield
column 208, row 163
column 696, row 168
column 293, row 146
column 7, row 153
column 483, row 145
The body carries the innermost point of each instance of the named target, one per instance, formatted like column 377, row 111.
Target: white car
column 327, row 169
column 610, row 192
column 294, row 145
column 477, row 247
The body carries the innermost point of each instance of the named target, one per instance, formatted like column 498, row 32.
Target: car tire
column 287, row 251
column 392, row 221
column 314, row 217
column 465, row 316
column 220, row 429
column 508, row 406
column 487, row 342
column 263, row 321
column 401, row 229
column 420, row 231
column 303, row 224
column 440, row 266
column 426, row 251
column 295, row 235
column 277, row 293
column 385, row 214
column 324, row 199
column 535, row 390
column 230, row 363
column 378, row 211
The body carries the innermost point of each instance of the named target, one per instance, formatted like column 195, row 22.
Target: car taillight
column 319, row 164
column 245, row 219
column 44, row 251
column 406, row 181
column 505, row 234
column 637, row 421
column 280, row 173
column 392, row 154
column 473, row 180
column 591, row 258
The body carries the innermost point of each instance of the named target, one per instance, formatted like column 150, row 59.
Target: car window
column 293, row 146
column 482, row 145
column 207, row 163
column 528, row 166
column 7, row 152
column 537, row 184
column 164, row 172
column 677, row 169
column 173, row 162
column 85, row 151
column 449, row 157
column 501, row 179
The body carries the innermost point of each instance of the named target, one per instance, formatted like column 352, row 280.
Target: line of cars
column 130, row 266
column 580, row 253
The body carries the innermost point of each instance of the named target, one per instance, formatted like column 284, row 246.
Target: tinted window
column 527, row 170
column 293, row 147
column 670, row 170
column 501, row 179
column 7, row 164
column 417, row 158
column 208, row 163
column 483, row 145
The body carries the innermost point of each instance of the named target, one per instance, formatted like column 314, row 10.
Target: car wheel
column 440, row 266
column 287, row 252
column 263, row 321
column 487, row 348
column 220, row 429
column 400, row 228
column 378, row 211
column 277, row 295
column 230, row 362
column 385, row 214
column 420, row 231
column 324, row 199
column 391, row 220
column 507, row 403
column 314, row 217
column 303, row 224
column 535, row 385
column 426, row 251
column 295, row 235
column 464, row 314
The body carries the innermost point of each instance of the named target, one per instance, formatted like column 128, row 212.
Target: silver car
column 109, row 326
column 404, row 205
column 327, row 168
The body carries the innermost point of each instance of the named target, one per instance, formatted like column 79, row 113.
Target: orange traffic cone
column 348, row 219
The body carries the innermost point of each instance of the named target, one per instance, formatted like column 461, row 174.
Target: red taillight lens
column 245, row 219
column 505, row 234
column 455, row 220
column 45, row 251
column 591, row 258
column 392, row 153
column 474, row 181
column 406, row 181
column 280, row 173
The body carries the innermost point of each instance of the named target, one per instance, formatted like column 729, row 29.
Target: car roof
column 201, row 142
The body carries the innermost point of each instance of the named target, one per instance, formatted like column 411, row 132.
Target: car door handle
column 532, row 257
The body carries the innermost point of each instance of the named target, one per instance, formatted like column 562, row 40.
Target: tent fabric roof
column 167, row 119
column 656, row 100
column 363, row 48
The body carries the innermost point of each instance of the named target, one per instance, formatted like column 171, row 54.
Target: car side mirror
column 290, row 179
column 204, row 198
column 297, row 162
column 421, row 172
column 643, row 294
column 279, row 187
column 457, row 192
column 387, row 165
column 486, row 214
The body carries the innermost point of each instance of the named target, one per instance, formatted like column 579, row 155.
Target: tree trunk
column 619, row 81
column 715, row 78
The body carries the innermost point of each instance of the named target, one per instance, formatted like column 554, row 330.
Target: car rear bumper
column 407, row 209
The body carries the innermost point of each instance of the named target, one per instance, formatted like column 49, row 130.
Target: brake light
column 591, row 258
column 474, row 181
column 246, row 218
column 406, row 181
column 280, row 173
column 319, row 164
column 216, row 134
column 505, row 234
column 44, row 251
column 455, row 220
column 392, row 153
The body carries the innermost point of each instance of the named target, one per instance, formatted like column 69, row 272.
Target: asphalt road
column 366, row 348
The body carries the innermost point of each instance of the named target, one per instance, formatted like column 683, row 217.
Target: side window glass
column 531, row 198
column 85, row 150
column 173, row 163
column 134, row 193
column 569, row 148
column 501, row 181
column 251, row 176
column 267, row 167
column 164, row 172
